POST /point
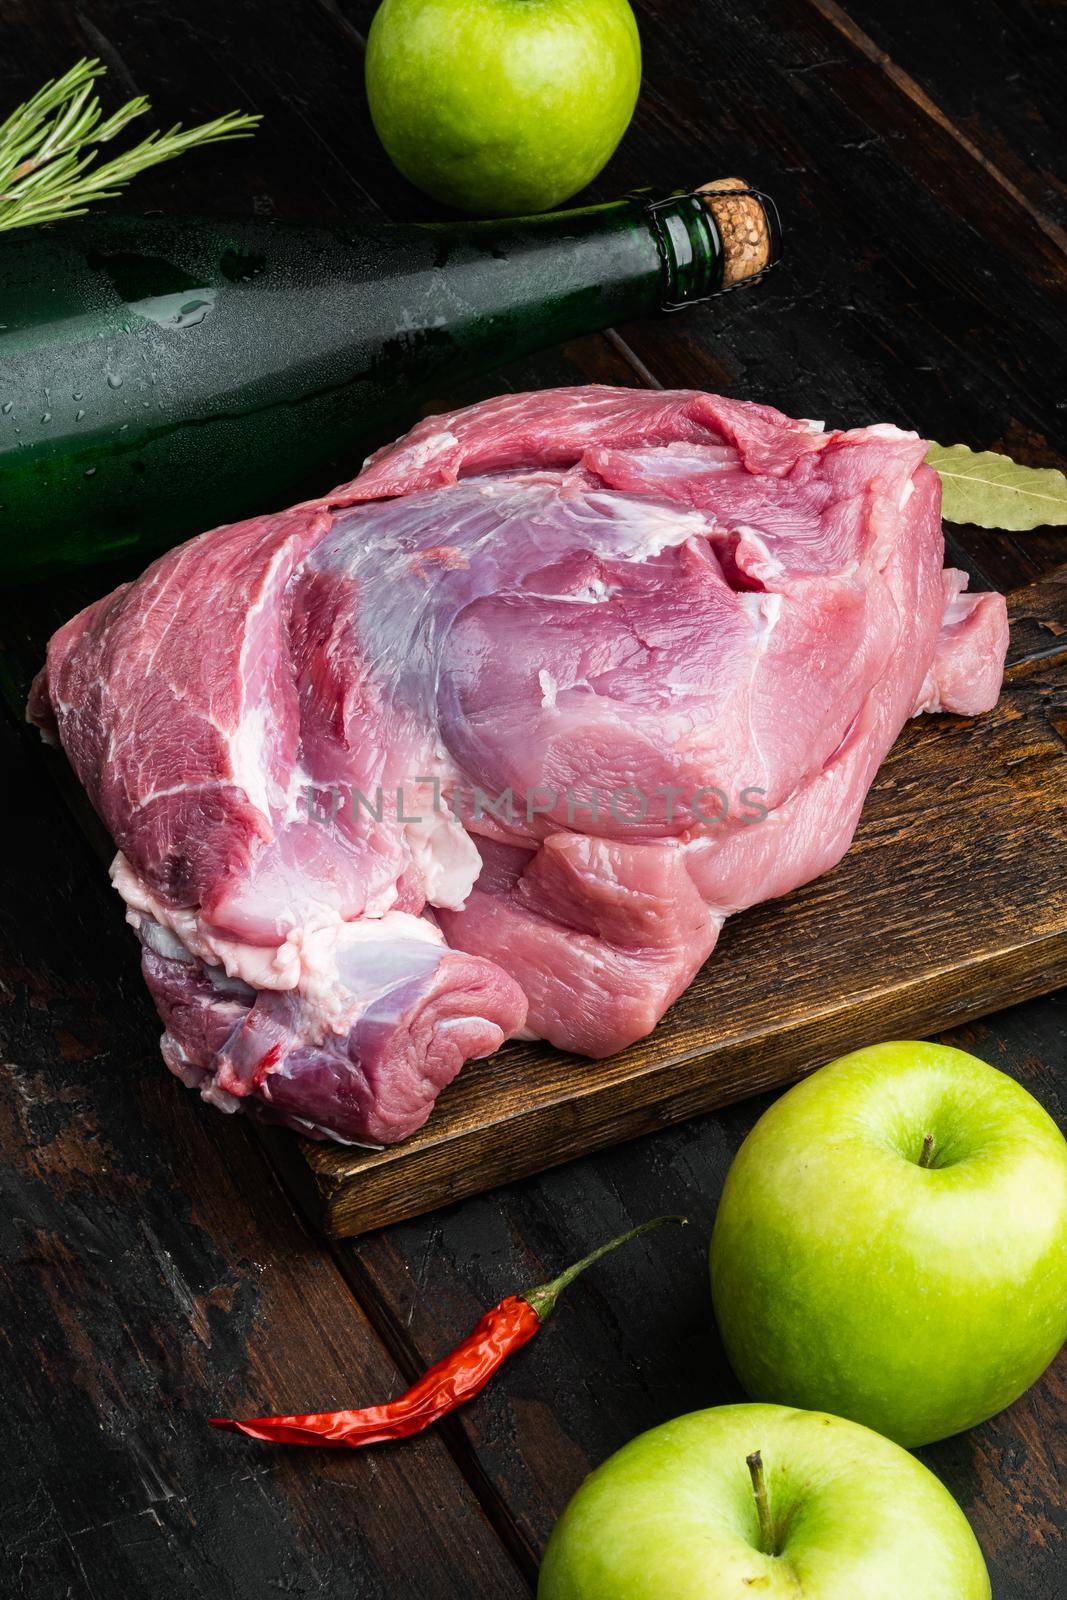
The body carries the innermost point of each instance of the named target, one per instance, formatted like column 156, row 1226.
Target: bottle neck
column 689, row 246
column 710, row 240
column 534, row 281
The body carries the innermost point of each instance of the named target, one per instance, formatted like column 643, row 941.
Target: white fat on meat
column 572, row 593
column 446, row 857
column 305, row 961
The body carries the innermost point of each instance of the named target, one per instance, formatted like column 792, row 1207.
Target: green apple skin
column 671, row 1516
column 848, row 1278
column 502, row 107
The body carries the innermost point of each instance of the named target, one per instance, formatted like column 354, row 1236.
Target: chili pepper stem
column 543, row 1298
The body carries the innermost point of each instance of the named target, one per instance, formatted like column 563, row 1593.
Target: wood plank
column 569, row 1401
column 961, row 930
column 887, row 304
column 152, row 1274
column 565, row 1403
column 905, row 278
column 897, row 296
column 994, row 67
column 904, row 287
column 634, row 1342
column 311, row 45
column 542, row 1426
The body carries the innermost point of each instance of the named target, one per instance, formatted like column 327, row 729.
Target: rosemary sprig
column 48, row 148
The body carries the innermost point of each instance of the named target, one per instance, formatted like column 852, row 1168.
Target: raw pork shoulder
column 494, row 737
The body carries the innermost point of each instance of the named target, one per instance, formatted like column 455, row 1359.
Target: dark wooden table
column 155, row 1267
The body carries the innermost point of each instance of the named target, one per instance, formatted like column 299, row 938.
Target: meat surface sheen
column 493, row 738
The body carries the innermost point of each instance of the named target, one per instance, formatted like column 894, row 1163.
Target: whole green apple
column 846, row 1516
column 502, row 106
column 891, row 1243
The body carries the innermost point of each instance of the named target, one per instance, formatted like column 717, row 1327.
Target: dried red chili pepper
column 457, row 1378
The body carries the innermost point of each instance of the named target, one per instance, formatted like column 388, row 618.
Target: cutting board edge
column 367, row 1200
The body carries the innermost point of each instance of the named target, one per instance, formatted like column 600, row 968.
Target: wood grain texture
column 995, row 70
column 889, row 296
column 960, row 929
column 634, row 1343
column 152, row 1274
column 908, row 293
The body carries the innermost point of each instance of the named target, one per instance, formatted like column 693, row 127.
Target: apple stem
column 763, row 1503
column 926, row 1158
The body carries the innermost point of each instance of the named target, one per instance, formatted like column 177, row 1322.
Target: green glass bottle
column 159, row 376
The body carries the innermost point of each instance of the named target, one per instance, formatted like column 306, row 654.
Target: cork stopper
column 746, row 234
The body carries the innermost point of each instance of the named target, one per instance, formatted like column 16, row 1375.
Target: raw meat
column 494, row 737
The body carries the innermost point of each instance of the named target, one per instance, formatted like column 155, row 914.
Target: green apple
column 846, row 1515
column 502, row 107
column 891, row 1243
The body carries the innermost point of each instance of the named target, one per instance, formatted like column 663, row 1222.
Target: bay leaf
column 993, row 491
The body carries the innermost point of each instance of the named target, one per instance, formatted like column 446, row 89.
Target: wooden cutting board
column 951, row 903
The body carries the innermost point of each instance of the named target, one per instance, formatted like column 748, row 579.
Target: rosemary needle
column 49, row 148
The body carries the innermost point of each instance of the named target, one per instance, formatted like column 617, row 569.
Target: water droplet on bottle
column 192, row 312
column 125, row 425
column 79, row 416
column 75, row 395
column 114, row 381
column 90, row 472
column 47, row 417
column 7, row 407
